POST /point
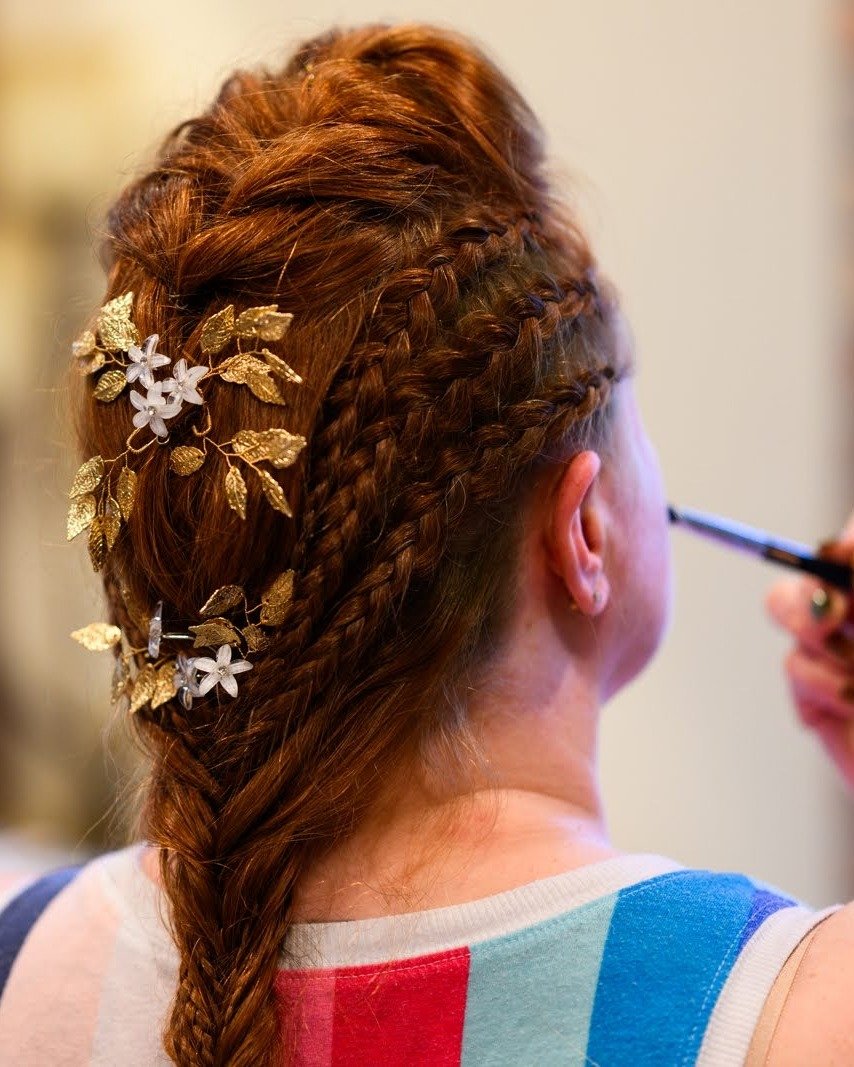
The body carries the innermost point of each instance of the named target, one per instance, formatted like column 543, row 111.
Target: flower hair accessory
column 119, row 362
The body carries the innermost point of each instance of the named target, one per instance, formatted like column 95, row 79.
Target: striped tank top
column 634, row 960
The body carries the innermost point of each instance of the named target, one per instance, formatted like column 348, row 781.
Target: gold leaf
column 244, row 369
column 89, row 364
column 185, row 459
column 88, row 477
column 218, row 330
column 164, row 685
column 279, row 447
column 97, row 543
column 215, row 632
column 263, row 386
column 110, row 384
column 235, row 491
column 126, row 491
column 275, row 601
column 116, row 330
column 256, row 639
column 143, row 687
column 274, row 493
column 237, row 368
column 80, row 514
column 266, row 323
column 98, row 636
column 223, row 599
column 111, row 523
column 280, row 367
column 84, row 345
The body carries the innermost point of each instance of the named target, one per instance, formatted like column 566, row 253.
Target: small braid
column 407, row 321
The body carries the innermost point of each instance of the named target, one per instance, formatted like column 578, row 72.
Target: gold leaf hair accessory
column 116, row 358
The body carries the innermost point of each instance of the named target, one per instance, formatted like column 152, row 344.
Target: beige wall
column 700, row 136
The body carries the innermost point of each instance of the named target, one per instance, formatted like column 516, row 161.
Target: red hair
column 387, row 185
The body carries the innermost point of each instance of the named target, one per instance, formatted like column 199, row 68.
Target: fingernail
column 821, row 603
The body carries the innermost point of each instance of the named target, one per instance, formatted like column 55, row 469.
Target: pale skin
column 594, row 606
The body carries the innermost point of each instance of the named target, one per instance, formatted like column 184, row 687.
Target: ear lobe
column 577, row 534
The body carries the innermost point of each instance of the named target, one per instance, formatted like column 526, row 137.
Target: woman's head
column 387, row 187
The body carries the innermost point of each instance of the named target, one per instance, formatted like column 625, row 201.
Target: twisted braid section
column 355, row 455
column 405, row 319
column 195, row 1040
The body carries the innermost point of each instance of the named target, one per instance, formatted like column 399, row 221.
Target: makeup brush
column 759, row 543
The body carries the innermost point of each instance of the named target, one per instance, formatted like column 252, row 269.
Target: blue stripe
column 22, row 912
column 765, row 903
column 672, row 942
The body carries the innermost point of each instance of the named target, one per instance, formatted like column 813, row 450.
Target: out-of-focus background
column 709, row 147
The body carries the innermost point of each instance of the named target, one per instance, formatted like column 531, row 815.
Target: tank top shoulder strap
column 22, row 912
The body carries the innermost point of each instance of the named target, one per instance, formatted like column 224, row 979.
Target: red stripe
column 403, row 1013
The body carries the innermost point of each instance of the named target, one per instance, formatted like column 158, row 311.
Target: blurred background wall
column 706, row 146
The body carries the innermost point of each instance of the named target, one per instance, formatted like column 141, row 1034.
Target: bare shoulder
column 807, row 1017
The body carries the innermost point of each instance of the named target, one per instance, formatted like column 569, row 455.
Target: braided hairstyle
column 388, row 187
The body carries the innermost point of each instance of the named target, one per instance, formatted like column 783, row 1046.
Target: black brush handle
column 759, row 543
column 839, row 575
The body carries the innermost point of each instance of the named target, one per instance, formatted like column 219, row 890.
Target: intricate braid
column 351, row 483
column 452, row 336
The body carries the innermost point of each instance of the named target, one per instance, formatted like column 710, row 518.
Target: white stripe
column 417, row 933
column 359, row 941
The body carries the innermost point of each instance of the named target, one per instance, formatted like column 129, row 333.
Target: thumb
column 806, row 608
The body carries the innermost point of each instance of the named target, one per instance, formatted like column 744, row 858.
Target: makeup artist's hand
column 820, row 666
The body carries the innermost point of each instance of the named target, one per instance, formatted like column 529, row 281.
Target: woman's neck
column 507, row 838
column 540, row 812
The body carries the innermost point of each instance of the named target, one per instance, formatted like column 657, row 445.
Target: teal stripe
column 672, row 942
column 530, row 993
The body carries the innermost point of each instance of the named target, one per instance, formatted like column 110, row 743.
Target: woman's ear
column 576, row 532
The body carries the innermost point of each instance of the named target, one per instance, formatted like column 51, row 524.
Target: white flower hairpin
column 144, row 361
column 101, row 499
column 219, row 671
